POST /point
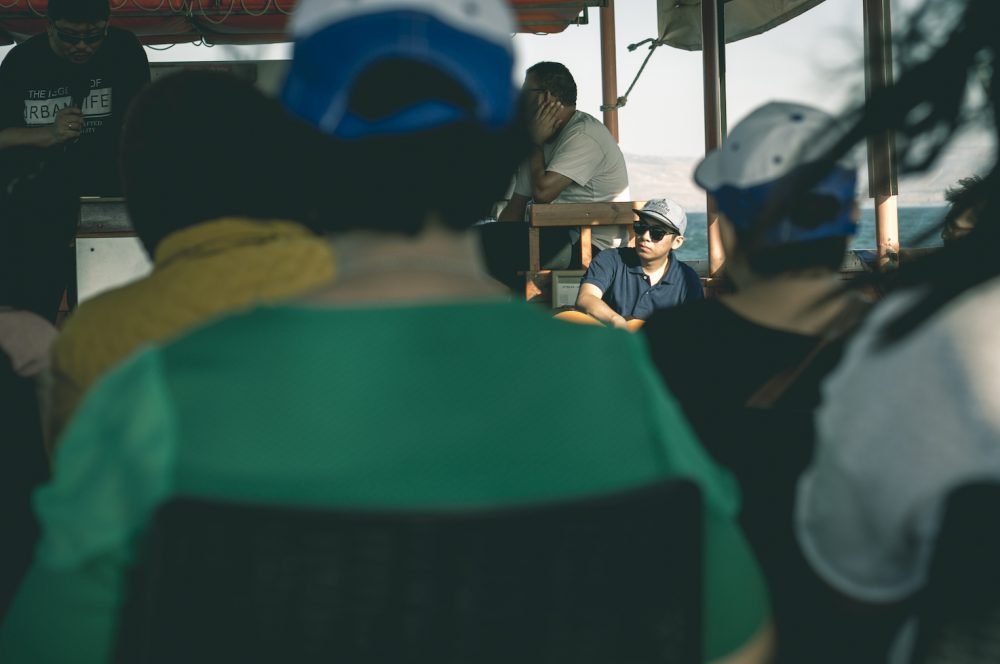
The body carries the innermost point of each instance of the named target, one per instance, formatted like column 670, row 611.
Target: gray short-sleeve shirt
column 586, row 153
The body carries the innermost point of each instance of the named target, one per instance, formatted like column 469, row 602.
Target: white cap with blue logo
column 765, row 147
column 337, row 40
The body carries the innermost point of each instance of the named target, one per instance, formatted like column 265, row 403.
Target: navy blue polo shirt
column 626, row 288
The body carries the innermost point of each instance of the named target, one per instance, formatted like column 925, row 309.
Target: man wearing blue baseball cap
column 746, row 366
column 397, row 386
column 631, row 283
column 783, row 267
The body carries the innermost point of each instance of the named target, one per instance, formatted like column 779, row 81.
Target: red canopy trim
column 244, row 21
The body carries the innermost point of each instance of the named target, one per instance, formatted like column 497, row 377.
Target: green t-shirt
column 461, row 404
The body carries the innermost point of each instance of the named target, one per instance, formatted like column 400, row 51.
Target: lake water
column 914, row 222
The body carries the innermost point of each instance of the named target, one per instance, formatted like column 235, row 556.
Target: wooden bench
column 582, row 216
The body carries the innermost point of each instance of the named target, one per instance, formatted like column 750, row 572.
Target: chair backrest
column 958, row 619
column 582, row 216
column 608, row 579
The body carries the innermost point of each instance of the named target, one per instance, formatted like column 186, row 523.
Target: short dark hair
column 79, row 11
column 808, row 211
column 554, row 77
column 181, row 167
column 391, row 183
column 968, row 195
column 827, row 253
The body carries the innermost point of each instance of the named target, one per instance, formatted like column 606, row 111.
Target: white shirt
column 900, row 427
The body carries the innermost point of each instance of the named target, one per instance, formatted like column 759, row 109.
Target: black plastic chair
column 612, row 579
column 959, row 610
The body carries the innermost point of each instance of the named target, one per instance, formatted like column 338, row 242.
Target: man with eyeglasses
column 63, row 97
column 574, row 159
column 628, row 283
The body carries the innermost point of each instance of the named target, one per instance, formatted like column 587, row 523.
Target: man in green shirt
column 398, row 384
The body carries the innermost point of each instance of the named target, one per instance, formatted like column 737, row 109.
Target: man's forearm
column 540, row 177
column 599, row 309
column 39, row 137
column 536, row 164
column 545, row 185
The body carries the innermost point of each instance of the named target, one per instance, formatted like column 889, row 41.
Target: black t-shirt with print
column 35, row 84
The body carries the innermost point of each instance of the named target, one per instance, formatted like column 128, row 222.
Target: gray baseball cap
column 665, row 212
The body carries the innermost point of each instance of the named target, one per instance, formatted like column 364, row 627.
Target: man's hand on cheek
column 546, row 122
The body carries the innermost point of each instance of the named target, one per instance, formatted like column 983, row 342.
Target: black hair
column 827, row 253
column 391, row 183
column 78, row 11
column 201, row 145
column 808, row 211
column 966, row 196
column 554, row 77
column 928, row 103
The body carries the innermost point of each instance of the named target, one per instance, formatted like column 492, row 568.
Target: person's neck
column 803, row 302
column 438, row 264
column 657, row 265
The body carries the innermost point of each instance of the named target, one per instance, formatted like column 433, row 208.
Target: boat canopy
column 680, row 20
column 244, row 21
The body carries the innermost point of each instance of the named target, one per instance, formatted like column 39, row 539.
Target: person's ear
column 676, row 244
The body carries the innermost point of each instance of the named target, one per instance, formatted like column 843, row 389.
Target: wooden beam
column 585, row 214
column 609, row 68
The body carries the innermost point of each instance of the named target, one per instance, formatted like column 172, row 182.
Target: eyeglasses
column 656, row 233
column 73, row 38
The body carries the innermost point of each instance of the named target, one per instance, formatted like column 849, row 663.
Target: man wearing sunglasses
column 631, row 283
column 63, row 97
column 73, row 83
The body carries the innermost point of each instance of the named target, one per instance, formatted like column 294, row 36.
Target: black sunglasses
column 656, row 233
column 73, row 38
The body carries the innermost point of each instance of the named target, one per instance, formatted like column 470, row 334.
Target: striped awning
column 245, row 21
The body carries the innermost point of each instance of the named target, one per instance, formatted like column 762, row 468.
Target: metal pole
column 609, row 68
column 882, row 182
column 711, row 53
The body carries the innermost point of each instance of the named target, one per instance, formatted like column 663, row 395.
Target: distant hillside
column 653, row 177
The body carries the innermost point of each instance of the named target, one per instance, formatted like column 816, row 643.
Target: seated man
column 748, row 379
column 217, row 241
column 363, row 394
column 574, row 159
column 630, row 284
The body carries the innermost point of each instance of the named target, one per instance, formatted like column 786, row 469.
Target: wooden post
column 712, row 53
column 882, row 181
column 609, row 68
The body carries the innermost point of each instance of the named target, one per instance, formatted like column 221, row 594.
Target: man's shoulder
column 116, row 34
column 586, row 124
column 696, row 320
column 120, row 39
column 28, row 50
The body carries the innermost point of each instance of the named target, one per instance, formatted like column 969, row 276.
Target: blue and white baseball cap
column 337, row 40
column 763, row 148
